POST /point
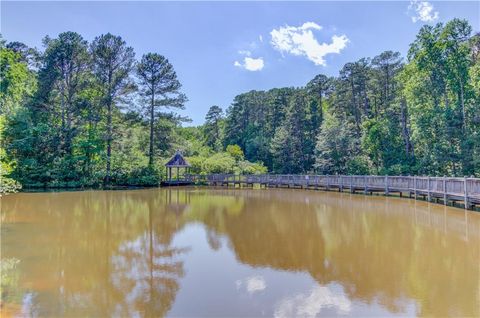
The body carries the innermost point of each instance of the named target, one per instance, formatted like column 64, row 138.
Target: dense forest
column 81, row 114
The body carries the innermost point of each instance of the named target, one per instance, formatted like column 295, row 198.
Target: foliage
column 6, row 184
column 225, row 162
column 335, row 146
column 213, row 128
column 16, row 81
column 16, row 86
column 236, row 152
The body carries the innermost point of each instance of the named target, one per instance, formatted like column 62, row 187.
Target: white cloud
column 255, row 284
column 422, row 11
column 252, row 284
column 260, row 38
column 310, row 305
column 251, row 64
column 245, row 52
column 301, row 41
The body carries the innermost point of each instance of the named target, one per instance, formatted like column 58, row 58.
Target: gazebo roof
column 177, row 161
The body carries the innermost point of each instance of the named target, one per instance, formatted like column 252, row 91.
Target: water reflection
column 311, row 304
column 263, row 252
column 252, row 284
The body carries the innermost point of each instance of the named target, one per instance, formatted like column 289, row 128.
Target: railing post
column 444, row 190
column 415, row 186
column 365, row 190
column 386, row 186
column 340, row 187
column 465, row 198
column 328, row 182
column 428, row 189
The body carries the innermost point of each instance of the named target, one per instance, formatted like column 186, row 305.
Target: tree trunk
column 109, row 140
column 386, row 88
column 68, row 137
column 405, row 129
column 462, row 101
column 88, row 153
column 150, row 153
column 466, row 148
column 217, row 135
column 320, row 112
column 355, row 109
column 62, row 106
column 69, row 113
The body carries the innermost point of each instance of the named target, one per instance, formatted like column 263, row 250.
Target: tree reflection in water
column 104, row 253
column 145, row 271
column 370, row 245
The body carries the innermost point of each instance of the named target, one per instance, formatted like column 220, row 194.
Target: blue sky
column 221, row 49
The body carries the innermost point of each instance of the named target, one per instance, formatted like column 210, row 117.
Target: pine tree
column 160, row 88
column 112, row 64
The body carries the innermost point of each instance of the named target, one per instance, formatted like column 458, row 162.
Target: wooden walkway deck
column 440, row 189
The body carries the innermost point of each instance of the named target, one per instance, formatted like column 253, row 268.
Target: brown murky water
column 224, row 252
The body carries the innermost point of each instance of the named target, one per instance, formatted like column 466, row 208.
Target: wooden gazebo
column 177, row 162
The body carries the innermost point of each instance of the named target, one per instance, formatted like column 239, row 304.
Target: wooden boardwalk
column 440, row 189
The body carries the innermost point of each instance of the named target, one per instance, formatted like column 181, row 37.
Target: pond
column 236, row 252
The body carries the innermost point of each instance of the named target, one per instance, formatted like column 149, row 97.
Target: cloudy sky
column 221, row 49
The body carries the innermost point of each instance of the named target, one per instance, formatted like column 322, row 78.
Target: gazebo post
column 178, row 171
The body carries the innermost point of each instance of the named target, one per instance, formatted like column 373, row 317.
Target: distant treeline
column 89, row 114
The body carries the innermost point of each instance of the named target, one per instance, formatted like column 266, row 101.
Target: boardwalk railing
column 464, row 190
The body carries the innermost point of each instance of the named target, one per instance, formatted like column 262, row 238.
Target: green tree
column 160, row 87
column 6, row 184
column 235, row 151
column 291, row 149
column 385, row 68
column 27, row 54
column 438, row 93
column 319, row 87
column 112, row 64
column 16, row 81
column 213, row 127
column 17, row 85
column 454, row 41
column 336, row 146
column 62, row 78
column 351, row 99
